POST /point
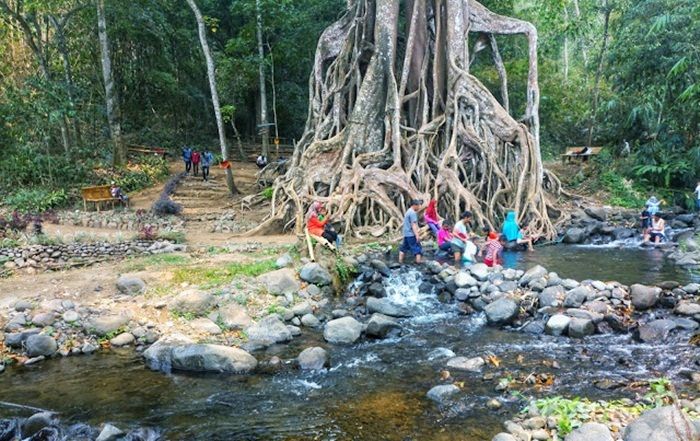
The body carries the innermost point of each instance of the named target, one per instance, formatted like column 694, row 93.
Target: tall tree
column 119, row 156
column 264, row 128
column 211, row 72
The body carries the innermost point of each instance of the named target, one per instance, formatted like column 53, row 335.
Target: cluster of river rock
column 536, row 301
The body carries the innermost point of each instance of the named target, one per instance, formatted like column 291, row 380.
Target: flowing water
column 375, row 390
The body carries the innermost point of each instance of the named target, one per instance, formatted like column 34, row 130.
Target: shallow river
column 374, row 390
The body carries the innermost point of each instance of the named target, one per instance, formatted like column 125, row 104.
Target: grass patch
column 208, row 277
column 172, row 236
column 158, row 260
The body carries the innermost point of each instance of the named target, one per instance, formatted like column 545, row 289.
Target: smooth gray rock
column 534, row 273
column 464, row 280
column 590, row 432
column 36, row 422
column 280, row 282
column 687, row 308
column 557, row 324
column 16, row 339
column 574, row 235
column 25, row 305
column 502, row 311
column 597, row 213
column 644, row 297
column 44, row 319
column 206, row 326
column 106, row 324
column 131, row 285
column 233, row 316
column 313, row 359
column 301, row 309
column 442, row 392
column 386, row 307
column 504, row 437
column 70, row 316
column 691, row 288
column 284, row 261
column 480, row 271
column 159, row 355
column 316, row 274
column 310, row 321
column 193, row 301
column 656, row 331
column 123, row 339
column 551, row 296
column 580, row 327
column 344, row 330
column 268, row 331
column 661, row 424
column 576, row 297
column 380, row 325
column 212, row 358
column 40, row 344
column 466, row 364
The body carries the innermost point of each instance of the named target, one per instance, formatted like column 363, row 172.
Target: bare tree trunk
column 60, row 25
column 584, row 50
column 566, row 46
column 265, row 129
column 274, row 101
column 607, row 10
column 211, row 73
column 119, row 157
column 239, row 142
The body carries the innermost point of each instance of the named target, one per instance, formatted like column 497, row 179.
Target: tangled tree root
column 395, row 114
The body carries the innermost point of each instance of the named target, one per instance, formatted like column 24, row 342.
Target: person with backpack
column 187, row 159
column 196, row 159
column 207, row 161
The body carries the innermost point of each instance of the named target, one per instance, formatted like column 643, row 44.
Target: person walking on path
column 196, row 159
column 411, row 241
column 187, row 158
column 697, row 197
column 207, row 161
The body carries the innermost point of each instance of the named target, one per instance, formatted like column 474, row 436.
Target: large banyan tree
column 395, row 114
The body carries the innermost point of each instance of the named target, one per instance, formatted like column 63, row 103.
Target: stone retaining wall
column 120, row 220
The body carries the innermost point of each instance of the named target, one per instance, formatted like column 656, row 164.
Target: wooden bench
column 573, row 153
column 97, row 195
column 146, row 150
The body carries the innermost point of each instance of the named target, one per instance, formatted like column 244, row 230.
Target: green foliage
column 267, row 193
column 343, row 270
column 211, row 277
column 188, row 316
column 621, row 191
column 172, row 236
column 36, row 200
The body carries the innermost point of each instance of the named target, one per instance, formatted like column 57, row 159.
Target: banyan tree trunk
column 395, row 114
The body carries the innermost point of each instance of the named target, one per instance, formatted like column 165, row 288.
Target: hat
column 493, row 235
column 416, row 202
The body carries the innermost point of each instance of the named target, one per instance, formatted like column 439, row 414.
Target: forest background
column 621, row 74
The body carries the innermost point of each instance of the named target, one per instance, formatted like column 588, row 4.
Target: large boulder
column 212, row 358
column 644, row 297
column 502, row 311
column 380, row 325
column 534, row 273
column 480, row 271
column 597, row 213
column 574, row 235
column 656, row 331
column 37, row 422
column 313, row 359
column 557, row 324
column 280, row 282
column 466, row 364
column 314, row 273
column 386, row 307
column 159, row 355
column 233, row 316
column 106, row 324
column 40, row 344
column 661, row 424
column 344, row 330
column 131, row 285
column 192, row 301
column 268, row 331
column 590, row 432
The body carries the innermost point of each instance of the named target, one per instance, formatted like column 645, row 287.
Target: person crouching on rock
column 444, row 237
column 511, row 230
column 493, row 249
column 411, row 241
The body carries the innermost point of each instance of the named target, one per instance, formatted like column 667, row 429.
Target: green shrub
column 173, row 236
column 267, row 193
column 622, row 192
column 36, row 200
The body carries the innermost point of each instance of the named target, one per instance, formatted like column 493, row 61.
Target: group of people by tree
column 193, row 158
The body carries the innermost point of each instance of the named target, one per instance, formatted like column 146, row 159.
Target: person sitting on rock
column 511, row 231
column 658, row 229
column 261, row 161
column 432, row 218
column 317, row 223
column 444, row 237
column 493, row 250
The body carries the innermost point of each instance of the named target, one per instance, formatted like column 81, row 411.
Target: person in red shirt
column 196, row 159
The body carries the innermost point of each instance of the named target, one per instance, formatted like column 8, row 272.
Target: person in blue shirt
column 411, row 240
column 207, row 161
column 187, row 158
column 511, row 231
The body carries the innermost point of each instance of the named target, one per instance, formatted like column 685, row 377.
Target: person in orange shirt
column 317, row 222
